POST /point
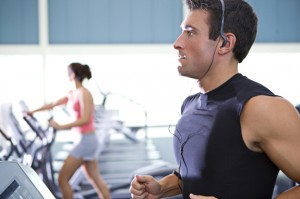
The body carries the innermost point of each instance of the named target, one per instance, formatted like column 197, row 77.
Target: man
column 235, row 134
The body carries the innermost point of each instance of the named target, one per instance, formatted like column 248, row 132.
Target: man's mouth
column 181, row 56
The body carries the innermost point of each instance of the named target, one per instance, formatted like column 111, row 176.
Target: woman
column 80, row 100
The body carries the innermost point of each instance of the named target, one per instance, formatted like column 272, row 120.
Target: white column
column 43, row 38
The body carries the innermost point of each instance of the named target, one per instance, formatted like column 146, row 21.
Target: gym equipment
column 8, row 148
column 82, row 190
column 27, row 143
column 46, row 171
column 21, row 181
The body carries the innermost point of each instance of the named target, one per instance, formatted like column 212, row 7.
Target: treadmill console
column 22, row 182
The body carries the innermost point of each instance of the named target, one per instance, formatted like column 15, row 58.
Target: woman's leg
column 68, row 169
column 92, row 173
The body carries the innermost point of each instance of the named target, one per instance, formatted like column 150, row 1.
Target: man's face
column 195, row 49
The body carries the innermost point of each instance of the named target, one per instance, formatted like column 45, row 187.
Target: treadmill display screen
column 8, row 192
column 14, row 190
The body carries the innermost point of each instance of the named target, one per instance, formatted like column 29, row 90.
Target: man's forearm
column 170, row 186
column 293, row 193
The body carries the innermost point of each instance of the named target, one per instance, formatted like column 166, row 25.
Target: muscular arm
column 170, row 185
column 146, row 186
column 272, row 125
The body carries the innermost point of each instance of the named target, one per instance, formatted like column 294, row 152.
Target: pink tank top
column 74, row 105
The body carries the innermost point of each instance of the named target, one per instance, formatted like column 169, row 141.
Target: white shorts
column 86, row 147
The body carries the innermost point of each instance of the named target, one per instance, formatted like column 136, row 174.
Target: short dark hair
column 81, row 71
column 239, row 19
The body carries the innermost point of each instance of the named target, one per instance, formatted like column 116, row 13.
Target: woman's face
column 71, row 74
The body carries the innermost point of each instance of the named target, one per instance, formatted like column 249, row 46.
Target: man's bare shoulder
column 266, row 117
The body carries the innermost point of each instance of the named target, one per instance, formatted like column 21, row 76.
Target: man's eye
column 189, row 33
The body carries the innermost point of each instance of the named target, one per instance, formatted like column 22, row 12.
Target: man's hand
column 145, row 187
column 192, row 196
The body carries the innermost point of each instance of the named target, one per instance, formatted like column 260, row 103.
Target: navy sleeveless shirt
column 212, row 156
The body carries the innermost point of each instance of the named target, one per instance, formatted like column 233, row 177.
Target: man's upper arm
column 279, row 134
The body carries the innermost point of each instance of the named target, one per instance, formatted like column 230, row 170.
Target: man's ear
column 229, row 44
